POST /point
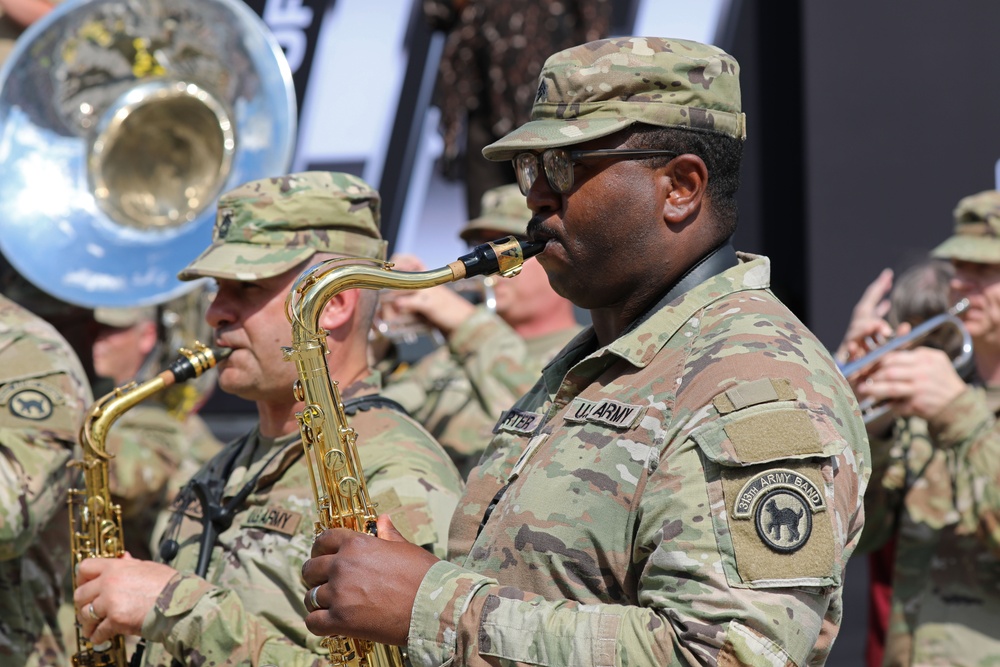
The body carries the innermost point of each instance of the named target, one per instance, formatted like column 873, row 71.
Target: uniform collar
column 641, row 342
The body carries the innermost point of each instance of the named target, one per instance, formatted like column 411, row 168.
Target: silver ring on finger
column 93, row 614
column 313, row 603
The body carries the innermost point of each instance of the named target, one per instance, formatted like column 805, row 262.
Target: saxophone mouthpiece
column 192, row 363
column 504, row 256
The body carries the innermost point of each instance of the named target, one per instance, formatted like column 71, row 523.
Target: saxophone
column 95, row 529
column 338, row 484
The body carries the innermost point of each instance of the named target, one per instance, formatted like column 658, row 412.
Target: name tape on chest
column 606, row 411
column 518, row 421
column 781, row 503
column 274, row 518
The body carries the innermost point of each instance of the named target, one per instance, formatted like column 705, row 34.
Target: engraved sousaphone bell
column 121, row 122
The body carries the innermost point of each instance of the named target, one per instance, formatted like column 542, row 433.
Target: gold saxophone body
column 331, row 453
column 95, row 520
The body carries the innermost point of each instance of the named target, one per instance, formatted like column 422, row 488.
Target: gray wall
column 902, row 119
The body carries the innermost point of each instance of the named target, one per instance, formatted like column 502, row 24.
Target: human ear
column 686, row 177
column 339, row 310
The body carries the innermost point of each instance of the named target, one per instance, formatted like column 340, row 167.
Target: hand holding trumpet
column 894, row 371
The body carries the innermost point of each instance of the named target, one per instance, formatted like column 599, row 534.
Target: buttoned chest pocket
column 770, row 471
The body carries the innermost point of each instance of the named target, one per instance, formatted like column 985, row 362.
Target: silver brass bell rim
column 159, row 112
column 95, row 233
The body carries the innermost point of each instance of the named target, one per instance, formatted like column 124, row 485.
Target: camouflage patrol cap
column 977, row 230
column 599, row 88
column 122, row 318
column 266, row 227
column 504, row 209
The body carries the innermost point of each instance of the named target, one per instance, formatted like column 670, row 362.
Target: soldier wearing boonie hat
column 935, row 454
column 686, row 476
column 232, row 543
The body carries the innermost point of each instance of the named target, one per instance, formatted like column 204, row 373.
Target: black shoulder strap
column 365, row 403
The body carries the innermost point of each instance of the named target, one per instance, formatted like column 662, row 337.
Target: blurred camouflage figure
column 489, row 69
column 238, row 600
column 934, row 482
column 684, row 484
column 43, row 395
column 489, row 358
column 156, row 450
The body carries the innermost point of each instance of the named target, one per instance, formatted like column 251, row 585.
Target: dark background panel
column 901, row 112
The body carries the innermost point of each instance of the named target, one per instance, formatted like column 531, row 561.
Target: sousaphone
column 121, row 122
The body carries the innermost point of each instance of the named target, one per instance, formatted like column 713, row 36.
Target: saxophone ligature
column 338, row 483
column 95, row 519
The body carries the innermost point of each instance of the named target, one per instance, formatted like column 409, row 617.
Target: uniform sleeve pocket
column 769, row 468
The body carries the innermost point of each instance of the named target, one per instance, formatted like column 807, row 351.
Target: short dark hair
column 721, row 154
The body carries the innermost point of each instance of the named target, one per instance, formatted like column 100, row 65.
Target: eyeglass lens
column 558, row 170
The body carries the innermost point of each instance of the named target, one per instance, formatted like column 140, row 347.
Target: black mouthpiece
column 499, row 256
column 192, row 363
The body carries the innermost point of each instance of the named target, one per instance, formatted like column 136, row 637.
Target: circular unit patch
column 30, row 404
column 783, row 520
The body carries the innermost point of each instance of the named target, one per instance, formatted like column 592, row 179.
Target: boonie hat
column 977, row 230
column 266, row 227
column 599, row 88
column 503, row 209
column 121, row 318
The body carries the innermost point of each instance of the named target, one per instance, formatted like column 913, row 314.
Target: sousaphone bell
column 121, row 122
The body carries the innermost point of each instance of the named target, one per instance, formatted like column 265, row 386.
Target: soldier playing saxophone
column 236, row 538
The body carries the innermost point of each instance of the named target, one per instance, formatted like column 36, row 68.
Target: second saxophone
column 338, row 482
column 95, row 519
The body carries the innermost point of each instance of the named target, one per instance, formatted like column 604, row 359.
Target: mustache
column 538, row 231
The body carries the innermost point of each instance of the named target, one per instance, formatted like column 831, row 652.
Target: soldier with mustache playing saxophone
column 229, row 591
column 622, row 513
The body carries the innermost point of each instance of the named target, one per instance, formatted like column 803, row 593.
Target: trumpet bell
column 121, row 123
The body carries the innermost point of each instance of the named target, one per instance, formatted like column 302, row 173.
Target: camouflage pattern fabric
column 43, row 396
column 688, row 494
column 459, row 390
column 591, row 91
column 266, row 227
column 249, row 609
column 935, row 485
column 155, row 454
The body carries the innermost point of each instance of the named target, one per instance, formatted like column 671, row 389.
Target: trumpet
column 871, row 410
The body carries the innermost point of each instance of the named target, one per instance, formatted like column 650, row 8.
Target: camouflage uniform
column 155, row 452
column 248, row 609
column 43, row 396
column 458, row 390
column 687, row 494
column 154, row 456
column 935, row 486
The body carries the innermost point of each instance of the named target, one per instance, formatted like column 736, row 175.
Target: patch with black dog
column 779, row 511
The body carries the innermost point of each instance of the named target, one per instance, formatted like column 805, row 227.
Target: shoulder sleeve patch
column 765, row 390
column 774, row 434
column 31, row 399
column 779, row 525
